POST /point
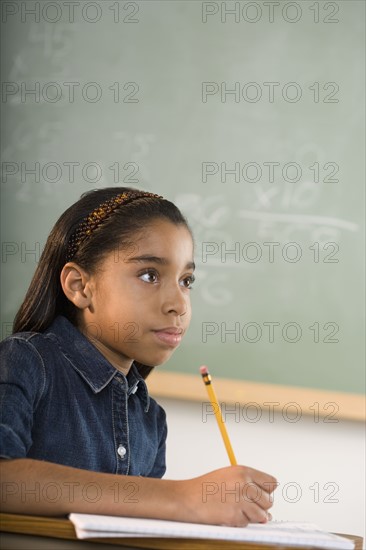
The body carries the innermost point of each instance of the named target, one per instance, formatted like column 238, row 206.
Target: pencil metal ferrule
column 206, row 379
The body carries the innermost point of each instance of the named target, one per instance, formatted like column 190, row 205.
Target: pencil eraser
column 203, row 370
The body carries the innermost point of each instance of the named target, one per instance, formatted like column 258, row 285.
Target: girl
column 110, row 299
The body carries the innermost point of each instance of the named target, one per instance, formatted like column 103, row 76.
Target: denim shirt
column 63, row 402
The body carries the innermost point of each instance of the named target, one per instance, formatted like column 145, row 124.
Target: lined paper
column 285, row 532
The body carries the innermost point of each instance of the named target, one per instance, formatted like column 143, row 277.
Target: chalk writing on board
column 209, row 218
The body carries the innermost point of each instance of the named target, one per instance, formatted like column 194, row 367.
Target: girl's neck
column 119, row 362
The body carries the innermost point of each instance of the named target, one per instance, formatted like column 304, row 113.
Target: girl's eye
column 149, row 275
column 190, row 280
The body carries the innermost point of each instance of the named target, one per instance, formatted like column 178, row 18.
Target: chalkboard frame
column 291, row 401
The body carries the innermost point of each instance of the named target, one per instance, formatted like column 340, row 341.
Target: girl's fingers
column 254, row 493
column 266, row 482
column 256, row 514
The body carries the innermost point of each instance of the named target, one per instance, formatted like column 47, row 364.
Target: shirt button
column 135, row 388
column 121, row 451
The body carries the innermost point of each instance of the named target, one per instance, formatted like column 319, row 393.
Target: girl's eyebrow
column 157, row 260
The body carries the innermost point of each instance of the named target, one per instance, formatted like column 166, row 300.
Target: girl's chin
column 156, row 360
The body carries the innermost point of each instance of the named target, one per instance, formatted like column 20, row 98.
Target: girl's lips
column 168, row 338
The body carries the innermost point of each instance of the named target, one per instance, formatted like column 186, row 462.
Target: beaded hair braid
column 98, row 216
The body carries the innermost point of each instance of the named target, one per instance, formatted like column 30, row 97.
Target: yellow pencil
column 216, row 407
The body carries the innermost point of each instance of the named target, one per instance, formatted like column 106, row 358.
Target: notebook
column 275, row 532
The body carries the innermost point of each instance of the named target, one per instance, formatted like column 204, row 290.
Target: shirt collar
column 95, row 369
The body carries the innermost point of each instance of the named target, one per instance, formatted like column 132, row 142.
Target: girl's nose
column 175, row 301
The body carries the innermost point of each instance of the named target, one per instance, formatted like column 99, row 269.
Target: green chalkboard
column 252, row 122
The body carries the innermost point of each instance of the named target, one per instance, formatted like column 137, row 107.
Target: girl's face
column 140, row 305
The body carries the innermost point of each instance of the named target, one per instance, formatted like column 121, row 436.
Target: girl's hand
column 233, row 496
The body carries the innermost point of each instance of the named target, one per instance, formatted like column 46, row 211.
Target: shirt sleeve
column 22, row 383
column 159, row 468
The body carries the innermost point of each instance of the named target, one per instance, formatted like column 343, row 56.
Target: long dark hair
column 45, row 298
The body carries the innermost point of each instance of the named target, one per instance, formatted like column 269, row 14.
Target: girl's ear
column 75, row 282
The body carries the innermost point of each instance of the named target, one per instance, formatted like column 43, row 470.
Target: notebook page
column 292, row 533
